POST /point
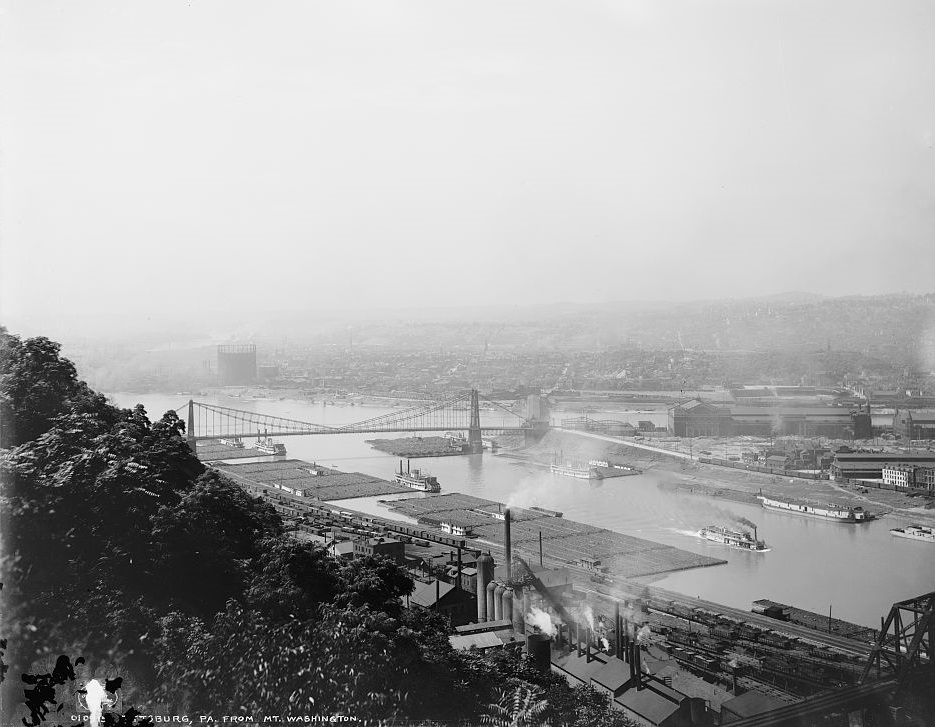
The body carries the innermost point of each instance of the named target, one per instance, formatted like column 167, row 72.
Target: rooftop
column 655, row 702
column 752, row 703
column 613, row 675
column 424, row 593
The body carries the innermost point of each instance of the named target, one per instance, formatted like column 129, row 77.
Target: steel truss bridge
column 457, row 413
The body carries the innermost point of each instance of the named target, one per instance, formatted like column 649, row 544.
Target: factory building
column 697, row 418
column 389, row 547
column 237, row 365
column 870, row 465
column 445, row 598
column 914, row 423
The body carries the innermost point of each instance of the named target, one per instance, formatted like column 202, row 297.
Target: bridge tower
column 537, row 414
column 474, row 436
column 190, row 429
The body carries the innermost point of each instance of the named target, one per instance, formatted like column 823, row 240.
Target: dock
column 296, row 476
column 563, row 540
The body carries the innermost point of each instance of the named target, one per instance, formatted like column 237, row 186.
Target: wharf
column 563, row 540
column 820, row 622
column 297, row 475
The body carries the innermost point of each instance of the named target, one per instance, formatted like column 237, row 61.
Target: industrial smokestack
column 509, row 545
column 520, row 608
column 458, row 576
column 637, row 670
column 491, row 599
column 484, row 576
column 617, row 629
column 587, row 646
column 539, row 652
column 507, row 606
column 631, row 662
column 578, row 637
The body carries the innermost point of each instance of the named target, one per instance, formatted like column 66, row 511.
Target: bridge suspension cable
column 460, row 412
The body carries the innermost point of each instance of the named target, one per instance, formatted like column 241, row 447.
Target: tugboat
column 416, row 480
column 741, row 541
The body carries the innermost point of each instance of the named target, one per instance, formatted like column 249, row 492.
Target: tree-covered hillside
column 120, row 547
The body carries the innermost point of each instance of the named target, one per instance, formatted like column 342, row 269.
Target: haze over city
column 179, row 159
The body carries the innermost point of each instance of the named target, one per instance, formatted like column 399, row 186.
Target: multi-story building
column 925, row 479
column 390, row 547
column 902, row 477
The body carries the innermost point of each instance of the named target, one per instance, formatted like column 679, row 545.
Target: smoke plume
column 539, row 618
column 744, row 521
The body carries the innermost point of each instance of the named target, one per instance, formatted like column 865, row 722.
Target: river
column 856, row 570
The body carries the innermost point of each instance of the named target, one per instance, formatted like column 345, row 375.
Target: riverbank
column 679, row 471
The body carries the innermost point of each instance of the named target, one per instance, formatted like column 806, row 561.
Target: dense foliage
column 121, row 547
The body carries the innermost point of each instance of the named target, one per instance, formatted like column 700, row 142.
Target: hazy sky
column 168, row 156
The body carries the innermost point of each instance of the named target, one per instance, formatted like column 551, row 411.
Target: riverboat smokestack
column 509, row 545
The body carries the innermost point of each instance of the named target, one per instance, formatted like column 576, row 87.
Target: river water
column 856, row 570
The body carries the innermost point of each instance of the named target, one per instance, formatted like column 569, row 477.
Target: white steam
column 539, row 618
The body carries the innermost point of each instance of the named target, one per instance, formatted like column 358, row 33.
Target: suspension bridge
column 456, row 413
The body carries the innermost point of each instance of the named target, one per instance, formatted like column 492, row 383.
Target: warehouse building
column 697, row 418
column 870, row 465
column 914, row 423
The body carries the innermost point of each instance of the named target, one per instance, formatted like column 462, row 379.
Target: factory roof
column 614, row 674
column 694, row 404
column 893, row 457
column 578, row 667
column 483, row 640
column 654, row 703
column 772, row 412
column 751, row 703
column 484, row 626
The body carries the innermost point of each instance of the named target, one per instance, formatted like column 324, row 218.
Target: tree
column 521, row 708
column 36, row 386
